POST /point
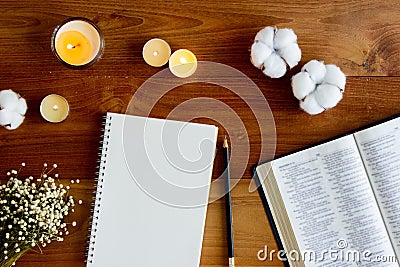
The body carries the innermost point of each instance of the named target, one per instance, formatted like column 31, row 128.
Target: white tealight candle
column 54, row 108
column 156, row 52
column 182, row 63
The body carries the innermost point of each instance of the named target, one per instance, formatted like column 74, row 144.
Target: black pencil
column 228, row 206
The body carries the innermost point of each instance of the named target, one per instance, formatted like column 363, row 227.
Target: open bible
column 338, row 203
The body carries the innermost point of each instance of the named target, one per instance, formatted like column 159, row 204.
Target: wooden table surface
column 361, row 37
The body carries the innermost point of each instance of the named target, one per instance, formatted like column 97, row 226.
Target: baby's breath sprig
column 32, row 213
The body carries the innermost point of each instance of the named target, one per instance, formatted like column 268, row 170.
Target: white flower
column 12, row 109
column 33, row 214
column 318, row 86
column 274, row 50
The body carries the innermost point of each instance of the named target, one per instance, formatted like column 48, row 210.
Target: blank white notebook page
column 153, row 192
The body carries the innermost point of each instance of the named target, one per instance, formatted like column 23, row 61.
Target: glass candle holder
column 77, row 43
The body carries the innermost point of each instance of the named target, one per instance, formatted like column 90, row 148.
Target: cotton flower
column 318, row 86
column 274, row 50
column 12, row 109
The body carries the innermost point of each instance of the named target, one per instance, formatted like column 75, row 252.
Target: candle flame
column 155, row 53
column 70, row 46
column 183, row 60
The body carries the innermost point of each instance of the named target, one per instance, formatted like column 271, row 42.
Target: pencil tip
column 225, row 145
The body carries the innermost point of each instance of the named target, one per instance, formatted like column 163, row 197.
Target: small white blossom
column 32, row 214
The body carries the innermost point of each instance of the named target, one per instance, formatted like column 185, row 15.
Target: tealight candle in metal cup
column 54, row 108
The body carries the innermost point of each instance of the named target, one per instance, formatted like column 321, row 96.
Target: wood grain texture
column 362, row 37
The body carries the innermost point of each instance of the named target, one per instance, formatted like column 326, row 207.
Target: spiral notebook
column 152, row 192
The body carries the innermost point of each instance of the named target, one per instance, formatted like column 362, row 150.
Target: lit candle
column 77, row 42
column 156, row 52
column 54, row 108
column 182, row 63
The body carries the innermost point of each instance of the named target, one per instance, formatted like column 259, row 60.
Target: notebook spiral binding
column 95, row 210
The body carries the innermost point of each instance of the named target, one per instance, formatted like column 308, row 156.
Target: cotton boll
column 335, row 76
column 16, row 121
column 284, row 37
column 5, row 117
column 328, row 82
column 8, row 99
column 302, row 85
column 291, row 54
column 22, row 106
column 316, row 69
column 266, row 36
column 310, row 105
column 282, row 51
column 328, row 95
column 259, row 53
column 274, row 66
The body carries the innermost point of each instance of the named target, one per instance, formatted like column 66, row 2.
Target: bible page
column 331, row 206
column 380, row 149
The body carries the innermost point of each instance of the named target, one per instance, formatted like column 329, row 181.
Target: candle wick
column 55, row 107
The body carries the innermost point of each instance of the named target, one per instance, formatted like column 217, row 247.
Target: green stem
column 13, row 258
